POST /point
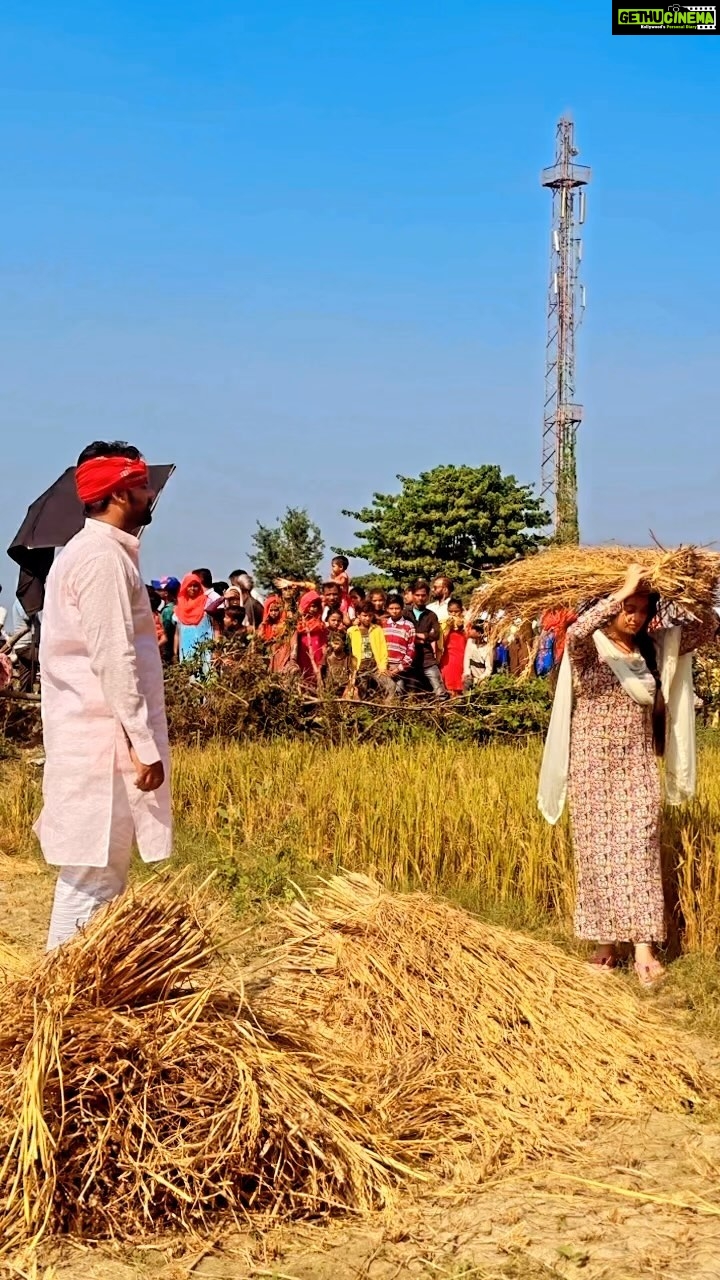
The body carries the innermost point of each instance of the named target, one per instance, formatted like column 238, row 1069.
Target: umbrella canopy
column 51, row 521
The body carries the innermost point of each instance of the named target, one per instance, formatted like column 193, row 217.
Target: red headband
column 99, row 477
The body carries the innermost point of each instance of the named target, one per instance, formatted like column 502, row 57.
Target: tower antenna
column 566, row 304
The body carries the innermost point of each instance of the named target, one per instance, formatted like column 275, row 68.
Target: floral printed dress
column 614, row 792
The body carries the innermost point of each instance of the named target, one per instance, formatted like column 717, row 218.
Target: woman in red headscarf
column 193, row 625
column 272, row 626
column 310, row 638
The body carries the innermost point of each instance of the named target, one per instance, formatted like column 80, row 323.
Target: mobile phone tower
column 565, row 307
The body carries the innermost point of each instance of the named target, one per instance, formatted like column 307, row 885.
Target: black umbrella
column 51, row 521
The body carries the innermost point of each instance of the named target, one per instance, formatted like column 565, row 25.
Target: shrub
column 247, row 702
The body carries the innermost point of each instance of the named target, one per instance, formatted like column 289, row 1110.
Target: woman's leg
column 604, row 955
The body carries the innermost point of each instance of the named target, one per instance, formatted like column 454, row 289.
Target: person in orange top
column 274, row 619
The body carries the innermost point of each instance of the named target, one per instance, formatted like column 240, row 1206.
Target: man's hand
column 148, row 777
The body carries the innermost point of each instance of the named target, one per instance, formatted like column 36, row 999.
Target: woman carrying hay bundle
column 622, row 686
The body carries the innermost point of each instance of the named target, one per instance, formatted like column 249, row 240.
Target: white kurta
column 102, row 686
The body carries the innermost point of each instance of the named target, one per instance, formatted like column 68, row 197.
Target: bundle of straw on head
column 570, row 577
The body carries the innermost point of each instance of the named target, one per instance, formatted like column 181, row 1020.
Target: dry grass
column 572, row 576
column 20, row 800
column 466, row 1033
column 457, row 819
column 12, row 959
column 387, row 1037
column 441, row 816
column 139, row 1094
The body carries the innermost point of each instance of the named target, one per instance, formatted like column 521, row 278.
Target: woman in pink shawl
column 310, row 638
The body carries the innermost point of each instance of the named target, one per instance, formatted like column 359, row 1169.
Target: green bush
column 247, row 702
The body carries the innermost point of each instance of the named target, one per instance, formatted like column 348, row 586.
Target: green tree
column 458, row 520
column 292, row 548
column 369, row 581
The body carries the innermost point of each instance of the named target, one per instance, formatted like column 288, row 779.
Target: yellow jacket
column 378, row 644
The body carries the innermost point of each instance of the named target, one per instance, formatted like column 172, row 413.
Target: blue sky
column 298, row 248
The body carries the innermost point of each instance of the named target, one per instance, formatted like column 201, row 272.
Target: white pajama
column 81, row 891
column 102, row 698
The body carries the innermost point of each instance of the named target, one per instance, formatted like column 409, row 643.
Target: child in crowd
column 310, row 638
column 453, row 640
column 167, row 588
column 356, row 596
column 478, row 659
column 378, row 600
column 340, row 576
column 337, row 670
column 272, row 626
column 233, row 618
column 216, row 610
column 335, row 621
column 370, row 655
column 232, row 639
column 399, row 637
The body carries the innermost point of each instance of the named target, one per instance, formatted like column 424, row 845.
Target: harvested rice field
column 346, row 1081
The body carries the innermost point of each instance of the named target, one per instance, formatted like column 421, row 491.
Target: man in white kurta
column 103, row 709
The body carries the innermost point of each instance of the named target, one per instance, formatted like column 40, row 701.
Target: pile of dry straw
column 12, row 960
column 573, row 576
column 385, row 1038
column 140, row 1094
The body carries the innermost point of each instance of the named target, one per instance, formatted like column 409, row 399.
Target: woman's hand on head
column 633, row 580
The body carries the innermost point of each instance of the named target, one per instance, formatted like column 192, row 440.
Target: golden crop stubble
column 447, row 817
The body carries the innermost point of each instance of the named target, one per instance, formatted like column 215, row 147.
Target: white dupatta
column 638, row 683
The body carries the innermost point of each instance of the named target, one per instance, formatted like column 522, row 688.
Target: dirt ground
column 635, row 1202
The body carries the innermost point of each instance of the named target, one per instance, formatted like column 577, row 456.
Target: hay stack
column 12, row 960
column 141, row 1090
column 138, row 1093
column 571, row 576
column 466, row 1038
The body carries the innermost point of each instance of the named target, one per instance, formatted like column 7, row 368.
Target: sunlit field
column 456, row 819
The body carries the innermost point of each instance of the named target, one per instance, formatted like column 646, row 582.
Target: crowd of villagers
column 337, row 638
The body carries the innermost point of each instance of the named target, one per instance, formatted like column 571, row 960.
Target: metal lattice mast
column 566, row 303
